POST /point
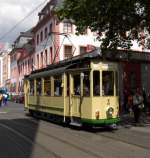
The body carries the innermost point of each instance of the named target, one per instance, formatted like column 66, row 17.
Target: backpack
column 138, row 101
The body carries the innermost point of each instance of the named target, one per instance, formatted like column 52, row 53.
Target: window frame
column 67, row 27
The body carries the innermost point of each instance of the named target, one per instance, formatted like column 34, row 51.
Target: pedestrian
column 1, row 99
column 148, row 102
column 5, row 98
column 137, row 105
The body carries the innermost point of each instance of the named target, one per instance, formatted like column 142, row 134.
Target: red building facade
column 21, row 61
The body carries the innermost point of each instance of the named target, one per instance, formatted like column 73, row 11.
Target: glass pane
column 76, row 84
column 86, row 84
column 96, row 83
column 57, row 85
column 82, row 50
column 39, row 86
column 108, row 82
column 31, row 87
column 47, row 86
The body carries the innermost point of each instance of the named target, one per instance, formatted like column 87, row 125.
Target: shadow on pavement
column 17, row 138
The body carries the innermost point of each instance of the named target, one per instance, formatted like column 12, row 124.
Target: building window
column 32, row 66
column 46, row 57
column 46, row 33
column 41, row 59
column 67, row 52
column 82, row 50
column 37, row 39
column 50, row 28
column 51, row 55
column 67, row 27
column 23, row 67
column 41, row 36
column 37, row 61
column 28, row 65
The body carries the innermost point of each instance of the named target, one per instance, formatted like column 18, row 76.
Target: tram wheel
column 113, row 126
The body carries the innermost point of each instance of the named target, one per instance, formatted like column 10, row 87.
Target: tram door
column 75, row 95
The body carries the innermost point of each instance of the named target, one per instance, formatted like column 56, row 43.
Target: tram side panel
column 47, row 104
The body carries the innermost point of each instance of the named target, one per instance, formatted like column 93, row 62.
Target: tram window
column 86, row 84
column 76, row 84
column 58, row 85
column 96, row 83
column 31, row 87
column 39, row 86
column 47, row 86
column 108, row 82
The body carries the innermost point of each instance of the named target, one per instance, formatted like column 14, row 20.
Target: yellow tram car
column 79, row 91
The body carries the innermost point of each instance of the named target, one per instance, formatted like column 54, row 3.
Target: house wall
column 145, row 76
column 6, row 68
column 14, row 73
column 25, row 67
column 76, row 41
column 131, row 76
column 43, row 46
column 57, row 40
column 1, row 71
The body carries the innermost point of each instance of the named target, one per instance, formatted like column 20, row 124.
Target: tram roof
column 110, row 55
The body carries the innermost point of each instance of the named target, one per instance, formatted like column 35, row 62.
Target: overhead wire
column 29, row 14
column 58, row 49
column 18, row 23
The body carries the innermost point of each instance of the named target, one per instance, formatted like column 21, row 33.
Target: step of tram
column 75, row 124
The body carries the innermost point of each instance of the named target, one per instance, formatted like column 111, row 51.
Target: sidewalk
column 128, row 119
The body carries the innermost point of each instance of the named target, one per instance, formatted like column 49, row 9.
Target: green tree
column 119, row 20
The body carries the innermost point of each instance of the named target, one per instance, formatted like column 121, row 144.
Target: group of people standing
column 137, row 101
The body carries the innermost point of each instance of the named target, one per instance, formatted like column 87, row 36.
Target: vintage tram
column 79, row 91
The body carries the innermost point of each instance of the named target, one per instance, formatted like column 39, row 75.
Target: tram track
column 79, row 147
column 28, row 139
column 121, row 140
column 28, row 124
column 9, row 136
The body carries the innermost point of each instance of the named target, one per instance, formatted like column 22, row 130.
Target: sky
column 12, row 12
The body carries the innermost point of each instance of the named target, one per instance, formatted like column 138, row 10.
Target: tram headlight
column 110, row 112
